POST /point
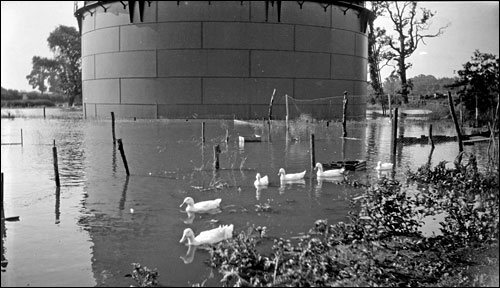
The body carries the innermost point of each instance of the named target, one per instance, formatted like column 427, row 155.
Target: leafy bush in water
column 383, row 246
column 144, row 276
column 470, row 199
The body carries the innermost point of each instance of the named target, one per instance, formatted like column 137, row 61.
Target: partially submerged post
column 120, row 147
column 271, row 106
column 22, row 137
column 58, row 204
column 113, row 126
column 43, row 112
column 269, row 131
column 390, row 109
column 56, row 167
column 216, row 156
column 311, row 147
column 203, row 132
column 286, row 117
column 431, row 141
column 3, row 215
column 457, row 127
column 394, row 131
column 344, row 132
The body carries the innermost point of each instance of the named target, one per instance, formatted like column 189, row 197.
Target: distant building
column 223, row 59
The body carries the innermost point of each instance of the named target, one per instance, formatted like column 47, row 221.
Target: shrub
column 382, row 246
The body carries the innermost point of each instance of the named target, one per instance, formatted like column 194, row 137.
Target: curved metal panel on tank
column 223, row 59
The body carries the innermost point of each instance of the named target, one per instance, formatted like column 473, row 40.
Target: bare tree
column 374, row 48
column 410, row 27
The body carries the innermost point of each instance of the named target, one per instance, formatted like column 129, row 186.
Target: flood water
column 91, row 230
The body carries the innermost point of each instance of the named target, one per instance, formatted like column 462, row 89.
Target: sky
column 474, row 25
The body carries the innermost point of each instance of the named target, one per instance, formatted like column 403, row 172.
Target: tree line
column 62, row 73
column 477, row 82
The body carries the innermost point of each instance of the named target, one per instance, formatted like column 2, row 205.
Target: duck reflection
column 189, row 257
column 258, row 191
column 191, row 215
column 385, row 174
column 319, row 185
column 190, row 218
column 289, row 183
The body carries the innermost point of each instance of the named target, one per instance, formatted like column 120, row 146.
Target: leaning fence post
column 120, row 147
column 113, row 126
column 58, row 204
column 56, row 167
column 271, row 106
column 457, row 127
column 431, row 141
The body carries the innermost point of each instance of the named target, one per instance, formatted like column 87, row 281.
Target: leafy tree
column 409, row 28
column 43, row 68
column 479, row 82
column 428, row 85
column 10, row 94
column 392, row 84
column 65, row 43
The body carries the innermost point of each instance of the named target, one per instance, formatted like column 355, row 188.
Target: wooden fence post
column 394, row 131
column 113, row 126
column 3, row 214
column 431, row 141
column 122, row 152
column 311, row 147
column 216, row 156
column 457, row 127
column 203, row 132
column 56, row 166
column 286, row 117
column 344, row 132
column 271, row 106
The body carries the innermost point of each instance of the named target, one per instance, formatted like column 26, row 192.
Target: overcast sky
column 473, row 25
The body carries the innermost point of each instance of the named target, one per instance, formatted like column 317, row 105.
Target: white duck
column 290, row 177
column 328, row 173
column 261, row 181
column 200, row 207
column 383, row 166
column 209, row 237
